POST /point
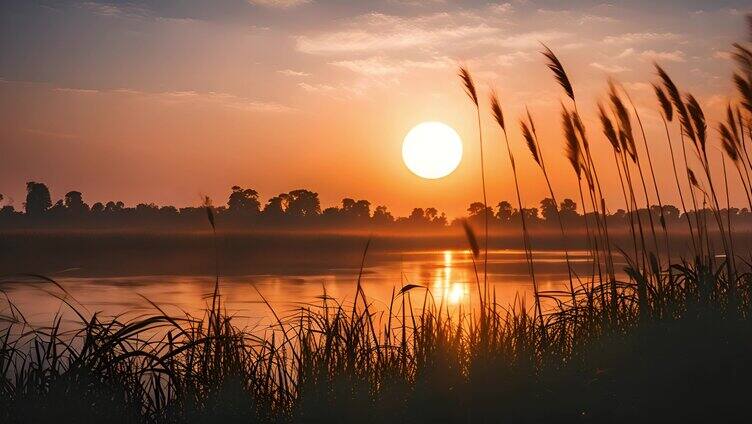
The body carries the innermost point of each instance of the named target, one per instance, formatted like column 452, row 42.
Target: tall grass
column 656, row 344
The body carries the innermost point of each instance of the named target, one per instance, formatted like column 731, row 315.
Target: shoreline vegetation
column 669, row 342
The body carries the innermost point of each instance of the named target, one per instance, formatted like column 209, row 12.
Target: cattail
column 558, row 69
column 469, row 85
column 527, row 134
column 608, row 128
column 698, row 120
column 668, row 110
column 496, row 110
column 572, row 146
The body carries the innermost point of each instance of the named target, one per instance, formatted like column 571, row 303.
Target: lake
column 447, row 274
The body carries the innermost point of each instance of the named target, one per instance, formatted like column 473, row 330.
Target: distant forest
column 301, row 209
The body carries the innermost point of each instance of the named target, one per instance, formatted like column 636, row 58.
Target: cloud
column 380, row 66
column 380, row 32
column 526, row 40
column 279, row 4
column 172, row 97
column 76, row 90
column 637, row 37
column 656, row 56
column 511, row 59
column 638, row 86
column 51, row 134
column 293, row 73
column 589, row 19
column 612, row 69
column 500, row 8
column 722, row 54
column 115, row 11
column 315, row 88
column 221, row 99
column 576, row 17
column 625, row 53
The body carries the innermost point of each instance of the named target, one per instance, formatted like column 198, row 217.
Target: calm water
column 447, row 274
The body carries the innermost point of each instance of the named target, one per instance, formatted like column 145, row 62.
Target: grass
column 670, row 342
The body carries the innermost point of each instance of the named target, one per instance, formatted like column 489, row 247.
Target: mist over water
column 447, row 274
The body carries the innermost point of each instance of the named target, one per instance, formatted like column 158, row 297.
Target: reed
column 499, row 118
column 531, row 139
column 469, row 86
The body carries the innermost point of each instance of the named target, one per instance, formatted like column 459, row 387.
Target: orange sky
column 161, row 102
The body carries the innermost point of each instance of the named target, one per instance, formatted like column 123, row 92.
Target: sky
column 165, row 101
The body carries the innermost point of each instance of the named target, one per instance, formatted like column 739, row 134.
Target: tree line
column 296, row 208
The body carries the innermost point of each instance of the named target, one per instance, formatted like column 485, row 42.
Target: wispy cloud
column 315, row 88
column 293, row 73
column 611, row 69
column 526, row 40
column 382, row 32
column 114, row 10
column 511, row 59
column 381, row 66
column 637, row 37
column 51, row 134
column 279, row 4
column 189, row 96
column 658, row 56
column 221, row 99
column 577, row 17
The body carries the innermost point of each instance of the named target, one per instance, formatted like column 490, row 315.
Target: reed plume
column 676, row 98
column 608, row 128
column 529, row 141
column 698, row 121
column 665, row 103
column 559, row 73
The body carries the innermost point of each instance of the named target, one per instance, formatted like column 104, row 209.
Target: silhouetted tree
column 568, row 211
column 38, row 198
column 303, row 203
column 112, row 207
column 97, row 207
column 504, row 211
column 276, row 206
column 243, row 200
column 548, row 209
column 356, row 210
column 382, row 216
column 475, row 212
column 74, row 202
column 418, row 215
column 531, row 214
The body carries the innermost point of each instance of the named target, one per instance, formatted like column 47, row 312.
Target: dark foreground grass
column 681, row 354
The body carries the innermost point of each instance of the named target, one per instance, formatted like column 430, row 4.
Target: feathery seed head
column 469, row 85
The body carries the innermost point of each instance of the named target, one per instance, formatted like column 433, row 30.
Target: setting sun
column 432, row 150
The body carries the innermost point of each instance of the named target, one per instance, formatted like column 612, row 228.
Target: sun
column 432, row 150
